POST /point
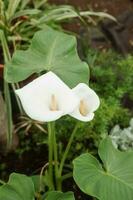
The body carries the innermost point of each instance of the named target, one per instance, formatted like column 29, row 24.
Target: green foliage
column 113, row 179
column 123, row 138
column 50, row 50
column 112, row 79
column 113, row 74
column 19, row 187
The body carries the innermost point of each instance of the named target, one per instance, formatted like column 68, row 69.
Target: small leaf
column 59, row 196
column 59, row 13
column 112, row 180
column 25, row 12
column 19, row 187
column 12, row 7
column 50, row 50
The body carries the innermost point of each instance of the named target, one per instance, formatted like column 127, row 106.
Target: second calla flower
column 88, row 103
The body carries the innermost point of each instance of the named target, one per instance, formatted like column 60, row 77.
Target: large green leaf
column 59, row 196
column 19, row 187
column 50, row 50
column 112, row 180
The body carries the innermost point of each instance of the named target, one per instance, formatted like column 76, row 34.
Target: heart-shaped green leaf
column 59, row 196
column 111, row 181
column 50, row 50
column 19, row 187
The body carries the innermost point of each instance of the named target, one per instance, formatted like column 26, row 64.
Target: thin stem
column 68, row 148
column 66, row 153
column 7, row 96
column 50, row 144
column 41, row 177
column 7, row 58
column 55, row 155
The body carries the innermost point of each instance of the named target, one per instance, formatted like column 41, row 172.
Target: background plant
column 123, row 138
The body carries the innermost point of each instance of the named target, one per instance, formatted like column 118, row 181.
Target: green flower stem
column 7, row 96
column 55, row 156
column 65, row 154
column 50, row 145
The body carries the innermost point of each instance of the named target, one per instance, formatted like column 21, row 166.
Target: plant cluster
column 122, row 138
column 60, row 88
column 48, row 102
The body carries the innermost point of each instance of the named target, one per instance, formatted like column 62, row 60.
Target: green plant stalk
column 65, row 155
column 6, row 52
column 50, row 149
column 8, row 105
column 7, row 92
column 7, row 58
column 7, row 96
column 55, row 156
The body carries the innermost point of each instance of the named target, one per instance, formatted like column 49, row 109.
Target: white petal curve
column 76, row 114
column 83, row 92
column 36, row 96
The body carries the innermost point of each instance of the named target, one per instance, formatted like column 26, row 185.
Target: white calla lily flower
column 47, row 98
column 88, row 103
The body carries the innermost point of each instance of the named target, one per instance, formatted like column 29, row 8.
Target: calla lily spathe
column 88, row 103
column 47, row 98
